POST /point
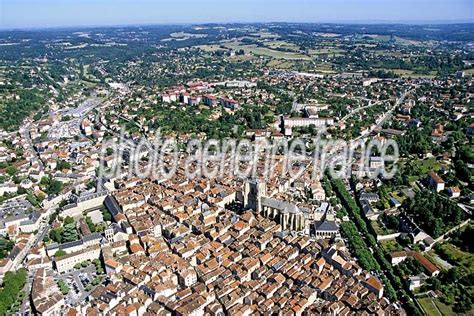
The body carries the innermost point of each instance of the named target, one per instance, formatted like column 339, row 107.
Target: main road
column 336, row 151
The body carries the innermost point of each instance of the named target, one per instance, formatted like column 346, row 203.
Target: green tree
column 61, row 165
column 11, row 170
column 63, row 287
column 69, row 220
column 90, row 224
column 56, row 235
column 69, row 232
column 60, row 253
column 106, row 215
column 13, row 283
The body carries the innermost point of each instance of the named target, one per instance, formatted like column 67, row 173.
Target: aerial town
column 84, row 230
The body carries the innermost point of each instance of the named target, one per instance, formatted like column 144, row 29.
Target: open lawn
column 209, row 48
column 238, row 58
column 326, row 71
column 415, row 75
column 401, row 72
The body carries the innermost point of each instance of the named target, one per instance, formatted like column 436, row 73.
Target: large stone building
column 288, row 215
column 68, row 261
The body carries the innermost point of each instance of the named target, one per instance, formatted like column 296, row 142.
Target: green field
column 405, row 73
column 182, row 36
column 427, row 165
column 412, row 179
column 263, row 34
column 328, row 35
column 429, row 306
column 281, row 64
column 445, row 309
column 399, row 195
column 281, row 44
column 421, row 169
column 327, row 51
column 380, row 229
column 458, row 257
column 256, row 50
column 390, row 246
column 270, row 50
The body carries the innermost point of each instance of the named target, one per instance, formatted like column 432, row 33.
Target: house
column 394, row 202
column 326, row 229
column 165, row 98
column 400, row 256
column 438, row 133
column 369, row 212
column 416, row 281
column 209, row 100
column 68, row 261
column 454, row 192
column 371, row 197
column 229, row 103
column 45, row 295
column 192, row 101
column 435, row 181
column 86, row 127
column 470, row 129
column 374, row 285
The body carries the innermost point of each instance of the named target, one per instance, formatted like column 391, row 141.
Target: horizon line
column 347, row 22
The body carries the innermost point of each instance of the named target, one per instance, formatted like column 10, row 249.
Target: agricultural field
column 182, row 36
column 264, row 51
column 265, row 35
column 405, row 73
column 327, row 51
column 327, row 35
column 256, row 50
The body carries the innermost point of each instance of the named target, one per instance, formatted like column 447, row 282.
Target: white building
column 67, row 262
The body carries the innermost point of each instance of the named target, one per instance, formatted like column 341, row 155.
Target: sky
column 58, row 13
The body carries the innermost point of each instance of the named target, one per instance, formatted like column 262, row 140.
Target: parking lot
column 77, row 281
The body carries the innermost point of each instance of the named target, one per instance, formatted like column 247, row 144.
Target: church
column 319, row 222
